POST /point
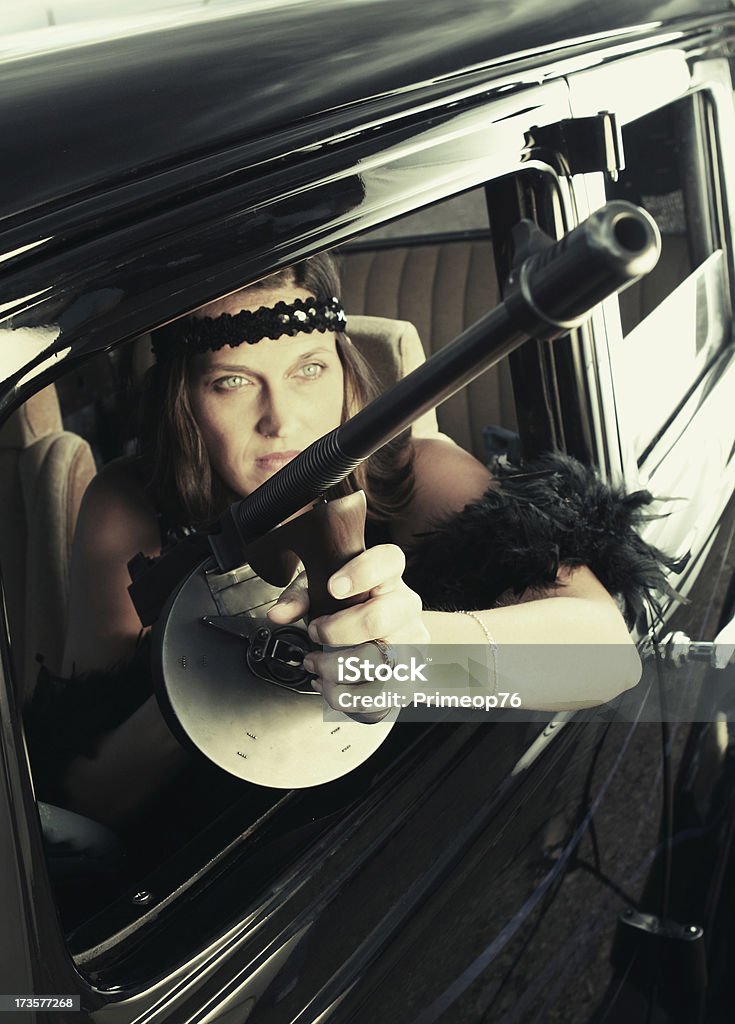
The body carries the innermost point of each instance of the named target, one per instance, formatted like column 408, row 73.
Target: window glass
column 673, row 319
column 465, row 213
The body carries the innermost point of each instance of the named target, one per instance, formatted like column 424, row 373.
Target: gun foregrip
column 324, row 539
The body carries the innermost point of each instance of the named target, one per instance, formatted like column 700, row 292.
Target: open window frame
column 112, row 289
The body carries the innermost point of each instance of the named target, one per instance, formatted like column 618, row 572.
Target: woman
column 238, row 390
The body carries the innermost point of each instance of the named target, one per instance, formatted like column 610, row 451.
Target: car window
column 97, row 363
column 408, row 290
column 672, row 320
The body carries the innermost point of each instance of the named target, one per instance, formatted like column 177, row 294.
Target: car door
column 663, row 393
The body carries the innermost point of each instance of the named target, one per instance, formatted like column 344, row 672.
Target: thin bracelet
column 492, row 644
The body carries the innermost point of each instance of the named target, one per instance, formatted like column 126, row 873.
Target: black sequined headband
column 203, row 334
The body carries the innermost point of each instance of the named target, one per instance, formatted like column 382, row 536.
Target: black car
column 576, row 869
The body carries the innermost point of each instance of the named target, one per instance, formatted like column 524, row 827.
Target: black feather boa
column 554, row 512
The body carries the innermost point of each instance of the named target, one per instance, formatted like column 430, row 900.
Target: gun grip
column 324, row 539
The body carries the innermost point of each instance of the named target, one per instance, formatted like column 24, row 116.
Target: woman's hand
column 391, row 612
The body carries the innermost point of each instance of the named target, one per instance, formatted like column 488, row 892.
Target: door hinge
column 582, row 145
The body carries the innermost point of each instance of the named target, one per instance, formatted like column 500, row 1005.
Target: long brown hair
column 186, row 489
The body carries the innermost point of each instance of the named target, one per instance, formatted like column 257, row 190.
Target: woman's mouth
column 275, row 461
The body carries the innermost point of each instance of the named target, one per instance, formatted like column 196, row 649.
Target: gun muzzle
column 560, row 285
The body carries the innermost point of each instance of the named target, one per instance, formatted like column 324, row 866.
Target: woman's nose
column 274, row 413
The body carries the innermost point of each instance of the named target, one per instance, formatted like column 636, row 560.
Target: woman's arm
column 116, row 520
column 569, row 648
column 598, row 658
column 136, row 760
column 566, row 647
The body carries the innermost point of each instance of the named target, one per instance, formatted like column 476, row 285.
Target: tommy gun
column 230, row 683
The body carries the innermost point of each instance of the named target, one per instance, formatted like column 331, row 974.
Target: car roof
column 89, row 104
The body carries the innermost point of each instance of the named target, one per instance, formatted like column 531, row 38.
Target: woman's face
column 257, row 406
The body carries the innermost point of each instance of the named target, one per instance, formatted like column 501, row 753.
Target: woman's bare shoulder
column 446, row 478
column 442, row 452
column 117, row 509
column 125, row 478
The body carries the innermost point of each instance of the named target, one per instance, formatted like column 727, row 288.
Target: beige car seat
column 441, row 288
column 44, row 471
column 393, row 349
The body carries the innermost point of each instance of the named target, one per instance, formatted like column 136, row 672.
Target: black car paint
column 140, row 103
column 457, row 890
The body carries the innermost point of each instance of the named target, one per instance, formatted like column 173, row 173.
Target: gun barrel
column 615, row 246
column 553, row 291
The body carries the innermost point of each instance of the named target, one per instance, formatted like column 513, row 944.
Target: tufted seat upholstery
column 44, row 471
column 441, row 288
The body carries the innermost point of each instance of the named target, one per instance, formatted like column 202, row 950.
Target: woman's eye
column 230, row 383
column 312, row 370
